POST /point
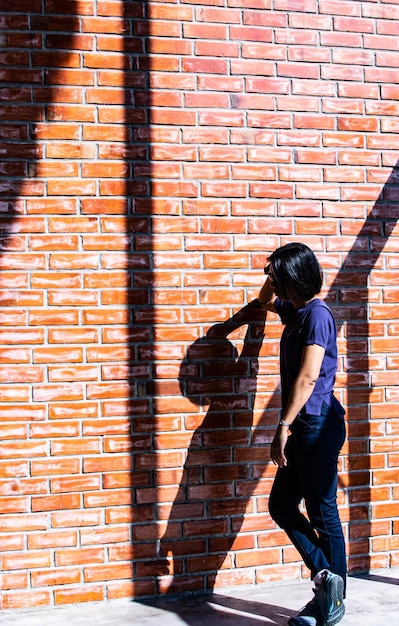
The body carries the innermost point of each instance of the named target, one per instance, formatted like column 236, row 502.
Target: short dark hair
column 295, row 268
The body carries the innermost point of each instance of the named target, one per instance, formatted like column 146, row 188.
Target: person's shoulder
column 319, row 309
column 318, row 302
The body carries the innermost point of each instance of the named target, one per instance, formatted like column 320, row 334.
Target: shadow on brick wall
column 216, row 487
column 36, row 46
column 363, row 340
column 210, row 505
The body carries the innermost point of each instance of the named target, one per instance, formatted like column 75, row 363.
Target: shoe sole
column 335, row 600
column 334, row 619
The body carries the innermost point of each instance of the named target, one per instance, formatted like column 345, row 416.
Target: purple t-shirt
column 313, row 324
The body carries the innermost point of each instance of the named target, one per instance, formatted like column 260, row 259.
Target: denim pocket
column 322, row 434
column 330, row 417
column 308, row 423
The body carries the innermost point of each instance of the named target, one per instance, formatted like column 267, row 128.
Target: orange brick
column 47, row 467
column 26, row 561
column 88, row 593
column 23, row 600
column 14, row 580
column 75, row 446
column 111, row 498
column 52, row 540
column 108, row 535
column 56, row 577
column 107, row 572
column 74, row 518
column 72, row 411
column 51, row 503
column 79, row 556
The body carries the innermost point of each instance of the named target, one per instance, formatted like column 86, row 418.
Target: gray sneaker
column 327, row 607
column 334, row 591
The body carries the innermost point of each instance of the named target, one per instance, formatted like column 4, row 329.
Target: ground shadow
column 220, row 610
column 379, row 579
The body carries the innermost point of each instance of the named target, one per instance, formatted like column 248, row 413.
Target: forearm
column 267, row 296
column 251, row 312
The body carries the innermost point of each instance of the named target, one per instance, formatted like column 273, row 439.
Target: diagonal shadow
column 33, row 105
column 349, row 298
column 380, row 579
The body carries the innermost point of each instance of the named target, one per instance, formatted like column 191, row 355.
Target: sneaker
column 334, row 590
column 327, row 607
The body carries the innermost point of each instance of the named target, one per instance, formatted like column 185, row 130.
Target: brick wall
column 153, row 155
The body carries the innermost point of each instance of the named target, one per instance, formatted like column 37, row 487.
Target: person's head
column 295, row 272
column 209, row 370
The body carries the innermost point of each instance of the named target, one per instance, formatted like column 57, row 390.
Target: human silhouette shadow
column 209, row 507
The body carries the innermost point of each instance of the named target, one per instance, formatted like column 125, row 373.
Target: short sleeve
column 319, row 327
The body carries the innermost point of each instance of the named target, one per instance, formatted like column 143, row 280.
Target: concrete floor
column 372, row 600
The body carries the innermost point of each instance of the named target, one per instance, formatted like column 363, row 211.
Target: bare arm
column 301, row 391
column 267, row 296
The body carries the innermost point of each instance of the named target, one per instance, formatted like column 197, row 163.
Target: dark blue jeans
column 311, row 475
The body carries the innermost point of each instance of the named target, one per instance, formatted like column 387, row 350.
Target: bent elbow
column 309, row 381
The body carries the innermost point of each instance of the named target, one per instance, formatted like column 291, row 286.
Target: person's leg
column 285, row 497
column 312, row 454
column 320, row 480
column 313, row 451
